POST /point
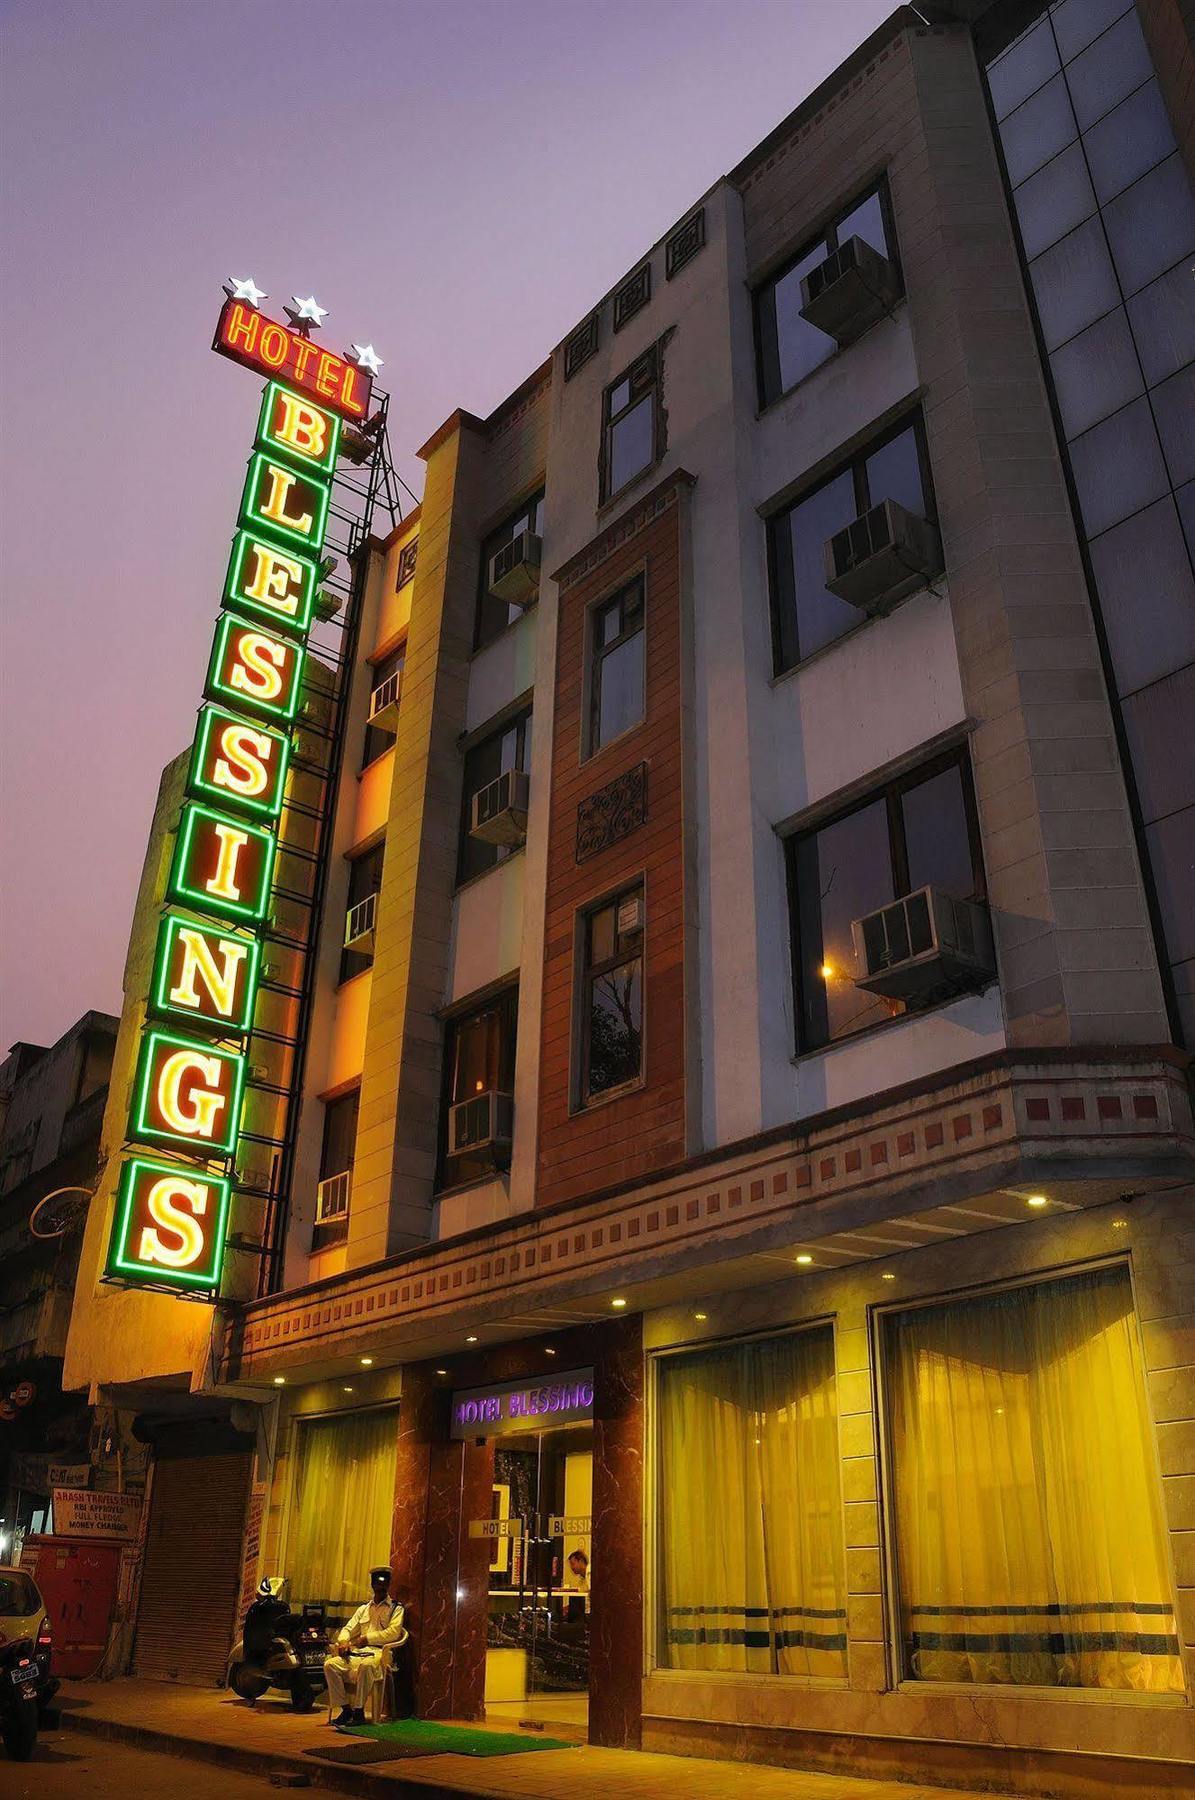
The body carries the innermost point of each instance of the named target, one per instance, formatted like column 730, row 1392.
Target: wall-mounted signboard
column 514, row 1406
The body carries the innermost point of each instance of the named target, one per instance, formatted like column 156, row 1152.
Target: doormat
column 424, row 1737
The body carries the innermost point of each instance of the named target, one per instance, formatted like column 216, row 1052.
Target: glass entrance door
column 537, row 1641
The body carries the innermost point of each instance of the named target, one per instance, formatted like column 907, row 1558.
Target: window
column 806, row 616
column 1002, row 1410
column 788, row 347
column 751, row 1553
column 493, row 614
column 612, row 995
column 631, row 424
column 479, row 1058
column 408, row 556
column 335, row 1170
column 507, row 748
column 920, row 830
column 387, row 673
column 616, row 666
column 365, row 878
column 341, row 1507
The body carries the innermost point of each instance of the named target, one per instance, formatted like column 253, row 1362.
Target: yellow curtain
column 749, row 1515
column 1030, row 1538
column 342, row 1506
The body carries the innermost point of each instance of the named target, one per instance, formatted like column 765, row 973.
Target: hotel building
column 737, row 1261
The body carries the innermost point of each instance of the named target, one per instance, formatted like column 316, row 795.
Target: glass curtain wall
column 750, row 1520
column 1107, row 223
column 1031, row 1547
column 342, row 1504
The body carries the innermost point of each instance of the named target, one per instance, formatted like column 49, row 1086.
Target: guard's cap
column 380, row 1570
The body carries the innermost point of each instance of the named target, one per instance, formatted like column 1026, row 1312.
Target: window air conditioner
column 500, row 809
column 358, row 926
column 514, row 570
column 484, row 1122
column 332, row 1198
column 850, row 291
column 383, row 702
column 924, row 947
column 881, row 557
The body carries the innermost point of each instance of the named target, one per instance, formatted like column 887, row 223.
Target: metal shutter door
column 190, row 1582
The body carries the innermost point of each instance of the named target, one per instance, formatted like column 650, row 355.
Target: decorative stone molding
column 1008, row 1119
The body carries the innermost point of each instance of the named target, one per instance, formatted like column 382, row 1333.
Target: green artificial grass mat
column 415, row 1735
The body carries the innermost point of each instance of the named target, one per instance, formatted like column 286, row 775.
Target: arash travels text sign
column 170, row 1225
column 523, row 1405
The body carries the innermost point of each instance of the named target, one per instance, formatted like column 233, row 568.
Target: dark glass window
column 919, row 831
column 612, row 995
column 365, row 878
column 1096, row 373
column 1129, row 141
column 806, row 616
column 616, row 665
column 1054, row 201
column 336, row 1158
column 493, row 614
column 1025, row 66
column 630, row 424
column 1174, row 408
column 379, row 738
column 1147, row 595
column 479, row 1058
column 1111, row 67
column 509, row 747
column 1078, row 22
column 1163, row 320
column 789, row 347
column 1039, row 128
column 1151, row 226
column 1118, row 467
column 1073, row 283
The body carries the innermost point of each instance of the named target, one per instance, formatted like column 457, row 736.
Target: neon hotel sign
column 522, row 1406
column 171, row 1216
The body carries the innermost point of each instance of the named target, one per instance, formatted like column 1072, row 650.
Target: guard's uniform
column 353, row 1673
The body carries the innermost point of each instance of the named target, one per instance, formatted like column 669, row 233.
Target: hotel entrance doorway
column 537, row 1637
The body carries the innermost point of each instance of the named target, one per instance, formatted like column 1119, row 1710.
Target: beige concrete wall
column 1075, row 948
column 1156, row 1237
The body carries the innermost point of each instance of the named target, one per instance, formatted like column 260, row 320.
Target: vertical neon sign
column 171, row 1218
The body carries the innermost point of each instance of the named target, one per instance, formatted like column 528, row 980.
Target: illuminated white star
column 306, row 312
column 365, row 356
column 245, row 290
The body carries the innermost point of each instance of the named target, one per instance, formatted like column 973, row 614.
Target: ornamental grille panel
column 632, row 296
column 684, row 244
column 581, row 346
column 613, row 813
column 406, row 562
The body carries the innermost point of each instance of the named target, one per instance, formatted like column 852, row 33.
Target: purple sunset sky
column 455, row 181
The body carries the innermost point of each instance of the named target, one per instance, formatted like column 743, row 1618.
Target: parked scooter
column 279, row 1649
column 19, row 1675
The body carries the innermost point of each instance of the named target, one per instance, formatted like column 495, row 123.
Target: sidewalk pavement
column 212, row 1725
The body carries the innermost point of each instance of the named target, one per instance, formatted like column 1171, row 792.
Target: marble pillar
column 616, row 1618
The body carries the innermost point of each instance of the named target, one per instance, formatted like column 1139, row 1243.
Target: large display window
column 750, row 1560
column 1030, row 1543
column 342, row 1506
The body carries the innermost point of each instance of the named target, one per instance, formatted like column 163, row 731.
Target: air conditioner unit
column 484, row 1122
column 326, row 605
column 850, row 291
column 383, row 702
column 514, row 570
column 883, row 555
column 924, row 947
column 358, row 926
column 332, row 1198
column 500, row 809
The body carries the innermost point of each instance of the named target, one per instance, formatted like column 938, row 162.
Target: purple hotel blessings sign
column 523, row 1405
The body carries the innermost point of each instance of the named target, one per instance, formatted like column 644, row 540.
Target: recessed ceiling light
column 1036, row 1200
column 548, row 1350
column 701, row 1315
column 348, row 1390
column 887, row 1275
column 280, row 1381
column 472, row 1338
column 1120, row 1224
column 804, row 1259
column 441, row 1371
column 367, row 1362
column 826, row 971
column 619, row 1303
